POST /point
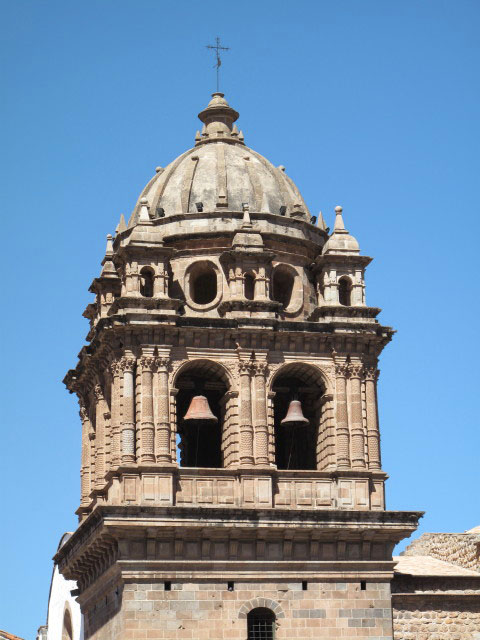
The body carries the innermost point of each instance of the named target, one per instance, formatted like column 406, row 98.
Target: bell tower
column 231, row 479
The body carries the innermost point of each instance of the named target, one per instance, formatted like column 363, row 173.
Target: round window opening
column 203, row 285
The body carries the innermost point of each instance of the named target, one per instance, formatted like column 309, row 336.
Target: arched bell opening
column 297, row 417
column 249, row 286
column 201, row 415
column 146, row 282
column 345, row 291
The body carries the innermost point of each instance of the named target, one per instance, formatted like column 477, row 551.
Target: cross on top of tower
column 217, row 47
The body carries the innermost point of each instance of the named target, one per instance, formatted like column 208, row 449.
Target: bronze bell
column 295, row 414
column 199, row 409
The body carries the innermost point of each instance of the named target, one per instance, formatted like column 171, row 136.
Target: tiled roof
column 4, row 635
column 428, row 566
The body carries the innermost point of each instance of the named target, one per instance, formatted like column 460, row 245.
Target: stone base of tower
column 198, row 573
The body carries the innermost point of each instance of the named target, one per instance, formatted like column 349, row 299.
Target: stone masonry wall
column 208, row 611
column 430, row 620
column 460, row 549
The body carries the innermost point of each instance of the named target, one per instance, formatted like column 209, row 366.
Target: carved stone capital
column 165, row 364
column 127, row 363
column 148, row 363
column 260, row 368
column 83, row 413
column 246, row 367
column 98, row 391
column 371, row 373
column 116, row 368
column 355, row 370
column 342, row 369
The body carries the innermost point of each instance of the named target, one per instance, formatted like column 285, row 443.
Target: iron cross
column 217, row 47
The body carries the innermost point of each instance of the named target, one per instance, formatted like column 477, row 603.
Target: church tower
column 231, row 478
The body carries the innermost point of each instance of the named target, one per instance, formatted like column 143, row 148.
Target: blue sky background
column 373, row 105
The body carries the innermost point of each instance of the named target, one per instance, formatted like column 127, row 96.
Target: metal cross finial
column 217, row 47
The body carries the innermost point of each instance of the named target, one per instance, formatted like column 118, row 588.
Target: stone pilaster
column 128, row 422
column 99, row 437
column 147, row 430
column 85, row 486
column 343, row 433
column 246, row 427
column 373, row 434
column 260, row 371
column 160, row 283
column 356, row 427
column 163, row 431
column 116, row 454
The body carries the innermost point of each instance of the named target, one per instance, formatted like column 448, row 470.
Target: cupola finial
column 218, row 118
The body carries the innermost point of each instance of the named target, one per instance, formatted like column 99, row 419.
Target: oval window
column 282, row 289
column 203, row 284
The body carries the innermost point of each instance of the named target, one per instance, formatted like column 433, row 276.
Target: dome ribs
column 222, row 198
column 256, row 185
column 187, row 184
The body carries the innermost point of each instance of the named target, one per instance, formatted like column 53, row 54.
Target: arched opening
column 345, row 291
column 282, row 285
column 261, row 624
column 200, row 439
column 146, row 282
column 203, row 283
column 249, row 286
column 296, row 438
column 67, row 631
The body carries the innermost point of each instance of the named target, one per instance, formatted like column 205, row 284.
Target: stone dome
column 221, row 174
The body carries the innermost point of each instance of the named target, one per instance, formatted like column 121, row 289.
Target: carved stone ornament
column 371, row 372
column 148, row 363
column 355, row 370
column 127, row 363
column 98, row 391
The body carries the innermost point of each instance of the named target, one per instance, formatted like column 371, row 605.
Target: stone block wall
column 209, row 611
column 429, row 619
column 461, row 549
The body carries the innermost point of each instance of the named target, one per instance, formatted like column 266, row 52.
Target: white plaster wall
column 60, row 599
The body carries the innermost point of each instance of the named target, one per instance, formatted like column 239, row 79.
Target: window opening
column 304, row 585
column 261, row 624
column 363, row 586
column 249, row 286
column 345, row 292
column 282, row 289
column 231, row 586
column 167, row 585
column 146, row 283
column 203, row 284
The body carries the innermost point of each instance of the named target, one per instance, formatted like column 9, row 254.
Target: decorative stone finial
column 108, row 268
column 246, row 222
column 340, row 242
column 122, row 225
column 218, row 118
column 144, row 211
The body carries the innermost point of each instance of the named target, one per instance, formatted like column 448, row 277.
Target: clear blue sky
column 370, row 104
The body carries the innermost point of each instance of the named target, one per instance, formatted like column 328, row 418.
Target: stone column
column 116, row 372
column 261, row 422
column 160, row 283
column 261, row 284
column 343, row 433
column 85, row 487
column 373, row 434
column 99, row 437
column 163, row 431
column 356, row 427
column 246, row 427
column 128, row 422
column 147, row 451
